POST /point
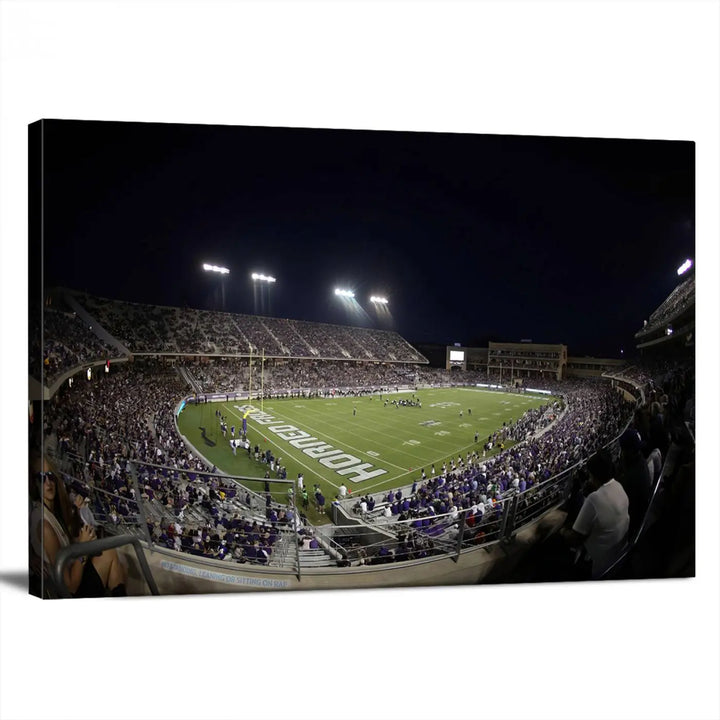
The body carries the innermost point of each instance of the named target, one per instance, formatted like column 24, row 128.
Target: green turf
column 389, row 438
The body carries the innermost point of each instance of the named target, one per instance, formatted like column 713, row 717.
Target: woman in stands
column 54, row 520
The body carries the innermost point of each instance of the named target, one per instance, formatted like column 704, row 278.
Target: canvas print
column 268, row 359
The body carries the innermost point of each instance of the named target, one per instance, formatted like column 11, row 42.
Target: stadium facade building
column 514, row 362
column 458, row 357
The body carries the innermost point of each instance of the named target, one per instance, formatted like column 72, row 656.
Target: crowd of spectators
column 286, row 377
column 135, row 326
column 226, row 375
column 637, row 377
column 213, row 518
column 153, row 329
column 633, row 516
column 66, row 343
column 96, row 428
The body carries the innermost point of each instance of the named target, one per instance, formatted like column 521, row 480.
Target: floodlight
column 260, row 276
column 215, row 268
column 344, row 293
column 684, row 267
column 380, row 300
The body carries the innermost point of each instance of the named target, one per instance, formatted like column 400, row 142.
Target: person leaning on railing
column 53, row 522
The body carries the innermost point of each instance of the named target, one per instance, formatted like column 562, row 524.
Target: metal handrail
column 93, row 547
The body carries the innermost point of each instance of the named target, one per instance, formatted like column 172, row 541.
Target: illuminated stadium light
column 344, row 293
column 380, row 300
column 264, row 278
column 215, row 268
column 684, row 267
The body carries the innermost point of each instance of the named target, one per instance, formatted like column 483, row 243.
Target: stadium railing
column 70, row 552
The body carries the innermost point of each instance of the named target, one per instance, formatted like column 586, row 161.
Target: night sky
column 470, row 237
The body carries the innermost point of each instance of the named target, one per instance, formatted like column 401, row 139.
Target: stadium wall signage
column 229, row 579
column 341, row 462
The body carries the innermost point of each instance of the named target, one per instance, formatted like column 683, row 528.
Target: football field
column 367, row 443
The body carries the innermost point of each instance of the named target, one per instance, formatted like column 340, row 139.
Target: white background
column 607, row 69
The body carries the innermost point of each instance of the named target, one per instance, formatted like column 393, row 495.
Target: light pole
column 382, row 311
column 222, row 271
column 265, row 282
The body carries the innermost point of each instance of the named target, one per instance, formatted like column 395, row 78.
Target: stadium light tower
column 351, row 307
column 215, row 268
column 222, row 271
column 261, row 291
column 382, row 313
column 263, row 278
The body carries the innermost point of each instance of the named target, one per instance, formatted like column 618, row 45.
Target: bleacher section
column 67, row 342
column 156, row 330
column 675, row 315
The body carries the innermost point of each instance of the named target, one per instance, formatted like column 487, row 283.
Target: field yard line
column 340, row 445
column 434, row 444
column 380, row 444
column 299, row 462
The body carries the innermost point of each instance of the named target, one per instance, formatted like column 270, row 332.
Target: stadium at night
column 333, row 388
column 411, row 306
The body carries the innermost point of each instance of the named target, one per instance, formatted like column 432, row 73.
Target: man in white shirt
column 603, row 521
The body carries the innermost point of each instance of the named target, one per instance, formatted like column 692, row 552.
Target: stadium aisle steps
column 315, row 558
